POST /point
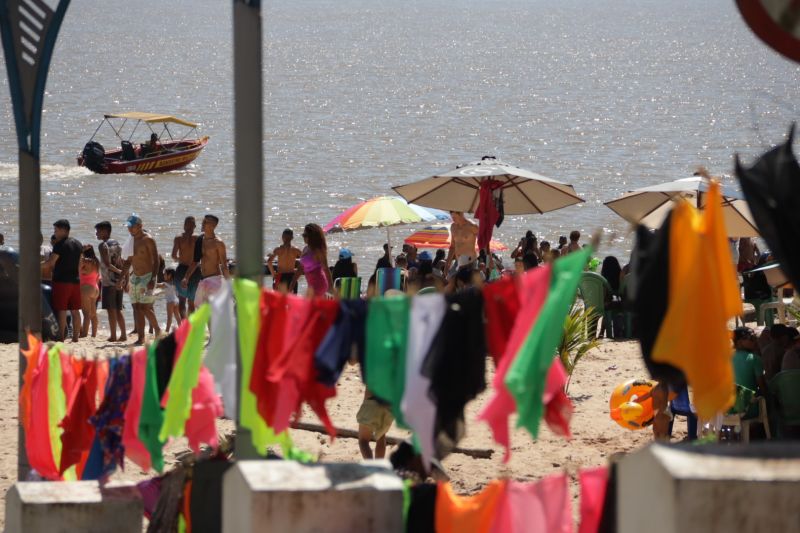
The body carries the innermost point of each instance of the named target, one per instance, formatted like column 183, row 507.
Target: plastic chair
column 427, row 290
column 735, row 418
column 784, row 391
column 349, row 288
column 593, row 289
column 389, row 278
column 681, row 406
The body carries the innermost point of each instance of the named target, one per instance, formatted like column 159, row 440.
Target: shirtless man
column 210, row 256
column 574, row 245
column 183, row 253
column 463, row 243
column 287, row 257
column 142, row 281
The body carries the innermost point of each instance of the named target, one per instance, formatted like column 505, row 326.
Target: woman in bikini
column 89, row 275
column 314, row 263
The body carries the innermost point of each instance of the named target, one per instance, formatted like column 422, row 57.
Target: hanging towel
column 694, row 335
column 109, row 418
column 78, row 432
column 135, row 450
column 467, row 514
column 387, row 338
column 346, row 334
column 37, row 439
column 221, row 354
column 201, row 427
column 540, row 507
column 185, row 376
column 501, row 305
column 533, row 289
column 593, row 482
column 558, row 407
column 487, row 212
column 419, row 411
column 421, row 516
column 151, row 417
column 526, row 376
column 57, row 400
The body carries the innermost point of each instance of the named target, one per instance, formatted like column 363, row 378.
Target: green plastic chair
column 349, row 288
column 592, row 289
column 427, row 290
column 784, row 391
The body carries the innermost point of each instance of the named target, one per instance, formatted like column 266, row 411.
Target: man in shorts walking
column 211, row 258
column 142, row 281
column 65, row 261
column 183, row 253
column 110, row 272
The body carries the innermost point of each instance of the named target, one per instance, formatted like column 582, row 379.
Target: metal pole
column 30, row 275
column 249, row 162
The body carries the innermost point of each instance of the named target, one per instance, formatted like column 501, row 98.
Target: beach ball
column 631, row 406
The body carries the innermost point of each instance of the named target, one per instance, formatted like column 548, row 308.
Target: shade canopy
column 649, row 205
column 151, row 118
column 439, row 237
column 383, row 211
column 524, row 192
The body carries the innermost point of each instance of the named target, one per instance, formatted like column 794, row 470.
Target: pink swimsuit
column 313, row 271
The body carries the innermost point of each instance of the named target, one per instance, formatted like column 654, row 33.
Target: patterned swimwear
column 140, row 294
column 110, row 417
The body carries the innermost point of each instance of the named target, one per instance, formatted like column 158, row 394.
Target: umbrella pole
column 389, row 241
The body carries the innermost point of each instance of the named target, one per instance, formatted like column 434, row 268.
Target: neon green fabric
column 57, row 402
column 387, row 342
column 151, row 418
column 526, row 377
column 185, row 375
column 248, row 296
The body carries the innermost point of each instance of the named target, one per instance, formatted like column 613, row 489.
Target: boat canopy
column 152, row 117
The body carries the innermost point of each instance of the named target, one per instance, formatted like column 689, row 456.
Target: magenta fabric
column 206, row 407
column 533, row 288
column 557, row 405
column 134, row 449
column 486, row 212
column 593, row 483
column 540, row 507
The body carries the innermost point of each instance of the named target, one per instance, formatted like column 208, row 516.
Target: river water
column 359, row 95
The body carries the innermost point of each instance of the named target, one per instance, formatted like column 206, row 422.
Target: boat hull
column 172, row 156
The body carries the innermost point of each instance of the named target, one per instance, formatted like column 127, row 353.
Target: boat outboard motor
column 94, row 156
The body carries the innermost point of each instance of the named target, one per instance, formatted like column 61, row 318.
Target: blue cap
column 344, row 253
column 133, row 220
column 425, row 256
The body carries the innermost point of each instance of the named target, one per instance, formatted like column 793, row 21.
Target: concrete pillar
column 66, row 507
column 260, row 496
column 711, row 488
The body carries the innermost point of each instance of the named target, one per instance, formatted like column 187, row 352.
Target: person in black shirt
column 65, row 261
column 386, row 260
column 345, row 267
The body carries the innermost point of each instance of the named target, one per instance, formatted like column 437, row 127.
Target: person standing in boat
column 313, row 263
column 183, row 253
column 210, row 256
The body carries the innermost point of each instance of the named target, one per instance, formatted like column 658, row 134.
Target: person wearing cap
column 65, row 262
column 144, row 261
column 386, row 259
column 345, row 267
column 748, row 369
column 287, row 262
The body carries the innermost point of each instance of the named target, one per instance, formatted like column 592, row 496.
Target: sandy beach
column 595, row 435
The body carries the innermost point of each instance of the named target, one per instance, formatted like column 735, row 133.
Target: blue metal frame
column 29, row 135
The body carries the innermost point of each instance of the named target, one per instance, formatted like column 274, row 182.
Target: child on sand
column 374, row 420
column 171, row 297
column 89, row 274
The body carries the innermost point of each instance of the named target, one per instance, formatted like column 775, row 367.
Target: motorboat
column 165, row 149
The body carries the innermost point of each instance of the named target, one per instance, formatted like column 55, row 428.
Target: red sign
column 776, row 22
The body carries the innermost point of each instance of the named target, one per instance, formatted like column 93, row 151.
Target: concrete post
column 66, row 507
column 288, row 496
column 714, row 488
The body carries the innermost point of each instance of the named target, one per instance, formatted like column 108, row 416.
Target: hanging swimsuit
column 315, row 277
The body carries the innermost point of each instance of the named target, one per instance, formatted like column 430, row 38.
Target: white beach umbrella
column 524, row 192
column 650, row 205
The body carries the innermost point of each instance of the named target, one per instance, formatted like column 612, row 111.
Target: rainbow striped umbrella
column 439, row 237
column 383, row 211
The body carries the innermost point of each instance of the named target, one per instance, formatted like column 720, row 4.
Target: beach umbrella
column 439, row 237
column 524, row 192
column 383, row 211
column 649, row 205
